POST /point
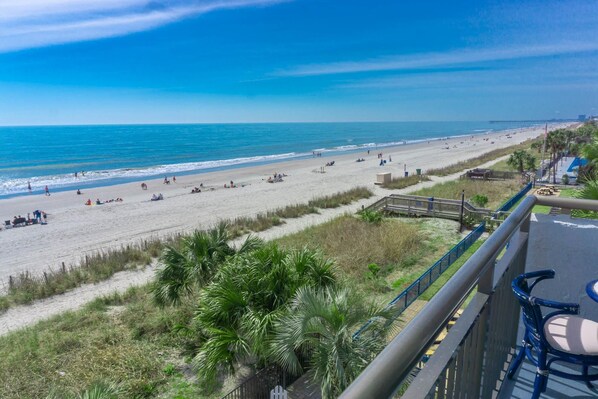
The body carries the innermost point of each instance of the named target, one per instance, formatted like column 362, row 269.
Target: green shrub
column 370, row 216
column 480, row 200
column 373, row 269
column 402, row 182
column 565, row 179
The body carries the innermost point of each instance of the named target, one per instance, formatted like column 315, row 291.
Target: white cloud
column 434, row 60
column 35, row 23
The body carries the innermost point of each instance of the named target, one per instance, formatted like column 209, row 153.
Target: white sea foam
column 19, row 185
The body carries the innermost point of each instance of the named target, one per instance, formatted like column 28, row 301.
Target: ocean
column 114, row 154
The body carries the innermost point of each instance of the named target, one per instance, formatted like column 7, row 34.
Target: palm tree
column 97, row 390
column 101, row 390
column 589, row 191
column 238, row 309
column 320, row 325
column 194, row 263
column 518, row 160
column 556, row 142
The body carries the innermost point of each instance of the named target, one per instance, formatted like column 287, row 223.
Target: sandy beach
column 75, row 230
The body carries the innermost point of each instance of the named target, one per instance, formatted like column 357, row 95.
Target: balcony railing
column 470, row 361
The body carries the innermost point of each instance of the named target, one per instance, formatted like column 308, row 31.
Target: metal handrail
column 387, row 371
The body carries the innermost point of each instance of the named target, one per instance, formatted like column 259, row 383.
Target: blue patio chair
column 559, row 336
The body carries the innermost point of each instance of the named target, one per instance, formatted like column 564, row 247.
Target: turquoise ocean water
column 113, row 154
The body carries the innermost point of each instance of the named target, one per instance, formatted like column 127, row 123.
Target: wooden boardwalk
column 413, row 205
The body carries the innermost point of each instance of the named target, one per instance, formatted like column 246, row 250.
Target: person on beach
column 78, row 192
column 174, row 179
column 29, row 186
column 76, row 175
column 47, row 191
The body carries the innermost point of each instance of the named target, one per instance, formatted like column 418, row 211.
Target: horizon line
column 287, row 122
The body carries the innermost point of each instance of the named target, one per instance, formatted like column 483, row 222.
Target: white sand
column 75, row 230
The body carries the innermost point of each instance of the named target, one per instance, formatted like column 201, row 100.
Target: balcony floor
column 522, row 385
column 569, row 247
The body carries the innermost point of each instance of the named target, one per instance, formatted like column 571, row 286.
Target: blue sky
column 175, row 61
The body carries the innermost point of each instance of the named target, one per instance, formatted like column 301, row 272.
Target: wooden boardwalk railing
column 414, row 205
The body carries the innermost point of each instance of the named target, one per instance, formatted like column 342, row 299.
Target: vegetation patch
column 341, row 198
column 68, row 353
column 496, row 191
column 26, row 287
column 263, row 221
column 474, row 162
column 354, row 244
column 402, row 182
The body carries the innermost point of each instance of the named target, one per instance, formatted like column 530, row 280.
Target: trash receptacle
column 406, row 174
column 418, row 172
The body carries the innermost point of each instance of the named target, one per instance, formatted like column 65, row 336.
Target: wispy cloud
column 432, row 60
column 35, row 23
column 539, row 76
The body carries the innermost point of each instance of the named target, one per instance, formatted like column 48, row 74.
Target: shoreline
column 75, row 230
column 136, row 174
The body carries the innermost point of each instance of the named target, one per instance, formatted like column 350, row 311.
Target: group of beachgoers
column 158, row 197
column 39, row 217
column 98, row 202
column 166, row 181
column 196, row 189
column 276, row 178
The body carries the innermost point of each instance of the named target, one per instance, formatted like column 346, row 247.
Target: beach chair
column 559, row 336
column 7, row 224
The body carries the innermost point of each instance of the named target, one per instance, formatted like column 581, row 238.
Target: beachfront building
column 473, row 358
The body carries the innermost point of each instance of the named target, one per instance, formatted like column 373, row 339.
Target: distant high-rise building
column 581, row 117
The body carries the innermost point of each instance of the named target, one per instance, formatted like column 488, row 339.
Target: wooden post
column 461, row 214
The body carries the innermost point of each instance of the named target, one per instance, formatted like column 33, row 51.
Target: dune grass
column 341, row 198
column 263, row 221
column 122, row 339
column 399, row 247
column 402, row 182
column 26, row 287
column 474, row 162
column 496, row 191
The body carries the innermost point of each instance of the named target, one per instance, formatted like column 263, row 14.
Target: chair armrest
column 570, row 308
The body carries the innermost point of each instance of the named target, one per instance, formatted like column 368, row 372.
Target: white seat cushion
column 572, row 334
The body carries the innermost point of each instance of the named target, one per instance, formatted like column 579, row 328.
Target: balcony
column 472, row 360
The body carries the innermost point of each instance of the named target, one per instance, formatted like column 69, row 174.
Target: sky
column 229, row 61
